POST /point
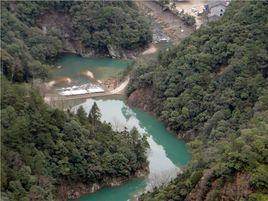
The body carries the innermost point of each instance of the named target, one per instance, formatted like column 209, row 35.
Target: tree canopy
column 42, row 147
column 118, row 24
column 212, row 89
column 214, row 77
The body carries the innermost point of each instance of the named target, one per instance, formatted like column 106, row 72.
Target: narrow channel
column 166, row 155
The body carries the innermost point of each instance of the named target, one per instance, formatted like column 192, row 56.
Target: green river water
column 166, row 154
column 74, row 67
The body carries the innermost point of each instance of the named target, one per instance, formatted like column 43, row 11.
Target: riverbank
column 143, row 99
column 72, row 191
column 166, row 156
column 112, row 52
column 173, row 27
column 62, row 23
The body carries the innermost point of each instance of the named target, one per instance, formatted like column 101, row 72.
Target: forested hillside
column 26, row 47
column 213, row 88
column 209, row 83
column 41, row 147
column 233, row 168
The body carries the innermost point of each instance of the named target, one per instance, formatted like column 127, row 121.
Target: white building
column 216, row 9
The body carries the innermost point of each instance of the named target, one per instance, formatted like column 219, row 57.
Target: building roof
column 214, row 3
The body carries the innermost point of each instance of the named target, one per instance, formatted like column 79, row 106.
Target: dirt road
column 171, row 25
column 121, row 87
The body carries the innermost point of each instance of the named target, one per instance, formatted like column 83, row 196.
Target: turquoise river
column 166, row 155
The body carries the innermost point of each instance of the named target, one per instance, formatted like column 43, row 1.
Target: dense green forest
column 42, row 147
column 240, row 158
column 213, row 88
column 26, row 48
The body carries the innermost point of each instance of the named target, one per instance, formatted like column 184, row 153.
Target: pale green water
column 122, row 192
column 73, row 66
column 165, row 156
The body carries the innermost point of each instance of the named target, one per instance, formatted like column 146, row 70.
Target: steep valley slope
column 212, row 90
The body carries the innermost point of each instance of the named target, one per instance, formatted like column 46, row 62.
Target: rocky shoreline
column 71, row 191
column 60, row 22
column 115, row 53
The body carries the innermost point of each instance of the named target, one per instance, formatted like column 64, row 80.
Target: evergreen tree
column 94, row 115
column 82, row 115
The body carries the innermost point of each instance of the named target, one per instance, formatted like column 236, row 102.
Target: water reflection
column 166, row 153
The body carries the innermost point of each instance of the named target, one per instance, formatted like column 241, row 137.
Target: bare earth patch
column 152, row 49
column 170, row 24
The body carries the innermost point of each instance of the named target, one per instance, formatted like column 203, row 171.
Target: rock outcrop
column 141, row 98
column 61, row 23
column 113, row 52
column 74, row 190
